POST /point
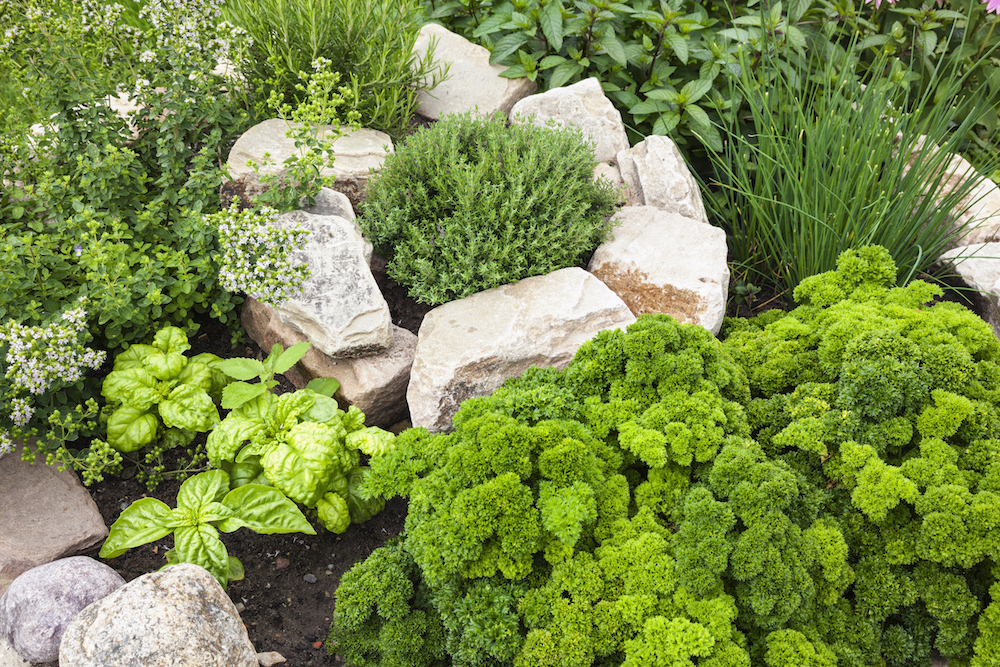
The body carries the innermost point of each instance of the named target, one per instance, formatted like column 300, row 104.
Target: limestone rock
column 36, row 609
column 340, row 307
column 375, row 384
column 468, row 347
column 660, row 262
column 270, row 658
column 11, row 658
column 472, row 83
column 355, row 155
column 177, row 616
column 44, row 514
column 584, row 106
column 979, row 211
column 656, row 175
column 979, row 267
column 331, row 202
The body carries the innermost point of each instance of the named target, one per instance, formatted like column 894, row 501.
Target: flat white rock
column 469, row 347
column 656, row 175
column 661, row 262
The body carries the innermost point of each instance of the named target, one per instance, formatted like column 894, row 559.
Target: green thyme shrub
column 369, row 43
column 468, row 204
column 821, row 488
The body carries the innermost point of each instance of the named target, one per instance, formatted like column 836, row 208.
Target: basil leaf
column 188, row 406
column 139, row 523
column 228, row 438
column 133, row 386
column 333, row 513
column 131, row 428
column 371, row 440
column 263, row 509
column 201, row 545
column 134, row 357
column 171, row 339
column 203, row 488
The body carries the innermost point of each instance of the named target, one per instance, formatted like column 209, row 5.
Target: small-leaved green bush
column 469, row 204
column 820, row 488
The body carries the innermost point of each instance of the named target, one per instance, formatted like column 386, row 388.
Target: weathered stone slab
column 656, row 175
column 472, row 83
column 177, row 616
column 584, row 106
column 468, row 347
column 375, row 384
column 45, row 515
column 356, row 154
column 331, row 202
column 979, row 267
column 36, row 609
column 340, row 307
column 660, row 262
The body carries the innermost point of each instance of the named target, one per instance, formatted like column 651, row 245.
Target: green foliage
column 153, row 387
column 825, row 168
column 817, row 489
column 368, row 43
column 301, row 443
column 470, row 204
column 205, row 506
column 105, row 207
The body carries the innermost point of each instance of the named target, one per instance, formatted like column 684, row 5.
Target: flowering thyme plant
column 43, row 376
column 256, row 255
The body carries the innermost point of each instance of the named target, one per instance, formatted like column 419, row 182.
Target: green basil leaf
column 371, row 440
column 236, row 572
column 324, row 386
column 242, row 368
column 171, row 339
column 325, row 410
column 290, row 357
column 139, row 523
column 197, row 374
column 354, row 419
column 228, row 438
column 238, row 393
column 188, row 406
column 333, row 513
column 202, row 489
column 132, row 386
column 303, row 464
column 289, row 407
column 263, row 509
column 165, row 365
column 201, row 545
column 245, row 472
column 133, row 357
column 214, row 512
column 360, row 507
column 131, row 428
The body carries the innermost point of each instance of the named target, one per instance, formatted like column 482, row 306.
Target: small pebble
column 281, row 563
column 240, row 607
column 317, row 644
column 309, row 578
column 330, row 566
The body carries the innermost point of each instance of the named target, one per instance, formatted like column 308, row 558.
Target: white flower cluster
column 190, row 28
column 257, row 255
column 6, row 444
column 37, row 357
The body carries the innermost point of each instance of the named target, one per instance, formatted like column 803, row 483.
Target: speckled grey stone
column 36, row 609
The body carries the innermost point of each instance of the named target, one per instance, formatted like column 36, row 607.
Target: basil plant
column 304, row 445
column 205, row 506
column 155, row 391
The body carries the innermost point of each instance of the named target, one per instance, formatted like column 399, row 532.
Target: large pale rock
column 472, row 83
column 44, row 515
column 36, row 609
column 356, row 154
column 340, row 307
column 979, row 267
column 978, row 212
column 175, row 617
column 468, row 347
column 656, row 175
column 660, row 262
column 375, row 384
column 584, row 106
column 331, row 202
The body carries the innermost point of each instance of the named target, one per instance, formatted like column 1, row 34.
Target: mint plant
column 205, row 506
column 278, row 360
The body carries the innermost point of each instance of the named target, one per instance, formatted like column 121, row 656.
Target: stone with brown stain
column 662, row 262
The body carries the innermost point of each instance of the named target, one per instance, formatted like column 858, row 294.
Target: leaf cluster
column 205, row 506
column 469, row 204
column 820, row 488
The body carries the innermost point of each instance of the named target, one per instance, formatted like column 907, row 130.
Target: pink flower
column 878, row 3
column 993, row 6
